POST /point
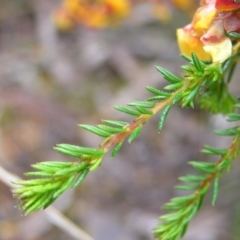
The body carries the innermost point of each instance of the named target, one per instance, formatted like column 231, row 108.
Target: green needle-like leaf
column 31, row 182
column 56, row 164
column 156, row 98
column 48, row 201
column 80, row 178
column 95, row 130
column 44, row 168
column 163, row 117
column 37, row 205
column 190, row 97
column 168, row 75
column 38, row 174
column 228, row 132
column 68, row 152
column 143, row 104
column 188, row 69
column 157, row 91
column 97, row 162
column 227, row 64
column 174, row 86
column 135, row 134
column 144, row 110
column 127, row 110
column 215, row 190
column 177, row 97
column 197, row 63
column 187, row 187
column 204, row 190
column 115, row 123
column 188, row 59
column 232, row 117
column 224, row 165
column 204, row 166
column 116, row 149
column 112, row 130
column 233, row 34
column 64, row 187
column 213, row 151
column 70, row 170
column 200, row 202
column 32, row 201
column 181, row 201
column 45, row 188
column 192, row 178
column 78, row 151
column 231, row 71
column 184, row 229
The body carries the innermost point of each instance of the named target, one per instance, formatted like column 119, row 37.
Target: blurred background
column 51, row 80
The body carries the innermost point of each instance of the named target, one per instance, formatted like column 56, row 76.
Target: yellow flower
column 189, row 42
column 119, row 8
column 203, row 18
column 205, row 36
column 96, row 14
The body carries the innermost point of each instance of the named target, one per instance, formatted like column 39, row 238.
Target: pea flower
column 205, row 35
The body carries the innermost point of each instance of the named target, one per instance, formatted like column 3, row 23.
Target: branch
column 53, row 178
column 174, row 225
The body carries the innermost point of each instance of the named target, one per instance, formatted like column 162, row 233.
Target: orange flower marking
column 227, row 5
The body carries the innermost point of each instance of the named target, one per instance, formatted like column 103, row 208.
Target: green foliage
column 163, row 117
column 76, row 151
column 169, row 76
column 127, row 110
column 202, row 83
column 173, row 226
column 53, row 178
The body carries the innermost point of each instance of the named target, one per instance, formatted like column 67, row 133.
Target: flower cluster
column 105, row 13
column 206, row 34
column 91, row 13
